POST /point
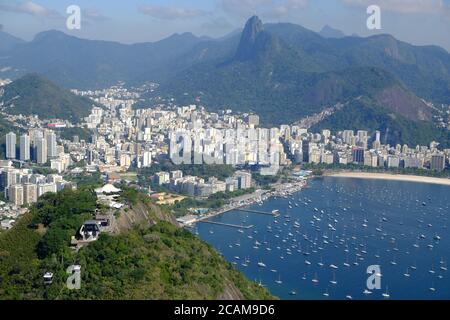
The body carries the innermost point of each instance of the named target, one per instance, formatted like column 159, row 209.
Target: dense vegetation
column 35, row 95
column 86, row 179
column 147, row 262
column 69, row 133
column 264, row 181
column 214, row 201
column 40, row 241
column 160, row 262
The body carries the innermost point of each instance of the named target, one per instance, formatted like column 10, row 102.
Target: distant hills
column 329, row 32
column 282, row 71
column 88, row 64
column 8, row 42
column 35, row 95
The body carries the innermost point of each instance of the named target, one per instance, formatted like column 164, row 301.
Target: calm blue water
column 401, row 220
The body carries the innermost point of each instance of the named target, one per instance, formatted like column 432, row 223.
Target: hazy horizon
column 414, row 21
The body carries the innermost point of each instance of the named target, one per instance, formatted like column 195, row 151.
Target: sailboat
column 393, row 262
column 406, row 274
column 432, row 270
column 367, row 292
column 320, row 263
column 334, row 279
column 261, row 264
column 386, row 295
column 279, row 280
column 346, row 264
column 315, row 280
column 432, row 288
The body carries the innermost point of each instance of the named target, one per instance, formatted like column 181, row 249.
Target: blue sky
column 416, row 21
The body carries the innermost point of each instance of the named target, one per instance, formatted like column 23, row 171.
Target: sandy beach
column 387, row 176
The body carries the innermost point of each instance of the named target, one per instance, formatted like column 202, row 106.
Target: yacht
column 334, row 279
column 261, row 264
column 386, row 295
column 315, row 280
column 332, row 266
column 407, row 274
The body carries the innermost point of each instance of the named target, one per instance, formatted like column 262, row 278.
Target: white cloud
column 404, row 6
column 244, row 7
column 30, row 8
column 265, row 8
column 288, row 6
column 93, row 15
column 216, row 23
column 170, row 12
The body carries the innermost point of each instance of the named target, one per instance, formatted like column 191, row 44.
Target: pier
column 258, row 212
column 227, row 224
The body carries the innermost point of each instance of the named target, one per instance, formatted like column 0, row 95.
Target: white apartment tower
column 11, row 145
column 41, row 150
column 24, row 147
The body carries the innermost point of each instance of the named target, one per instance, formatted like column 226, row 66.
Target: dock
column 227, row 224
column 258, row 212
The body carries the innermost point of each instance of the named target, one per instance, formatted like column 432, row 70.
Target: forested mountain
column 148, row 259
column 35, row 95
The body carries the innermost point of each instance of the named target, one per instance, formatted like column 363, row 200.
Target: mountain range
column 330, row 32
column 282, row 71
column 8, row 42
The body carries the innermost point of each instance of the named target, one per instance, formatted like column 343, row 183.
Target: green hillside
column 283, row 83
column 156, row 261
column 35, row 95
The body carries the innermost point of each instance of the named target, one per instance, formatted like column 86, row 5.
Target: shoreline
column 389, row 176
column 281, row 190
